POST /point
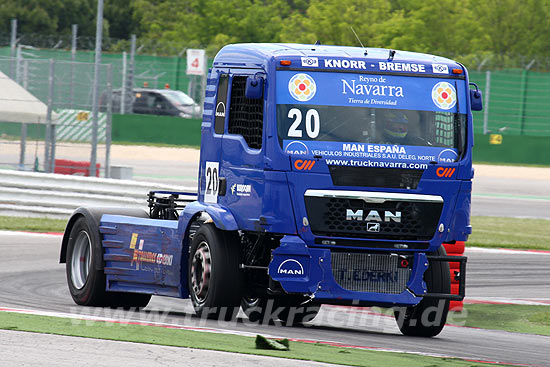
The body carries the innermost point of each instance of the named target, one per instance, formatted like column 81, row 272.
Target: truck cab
column 327, row 175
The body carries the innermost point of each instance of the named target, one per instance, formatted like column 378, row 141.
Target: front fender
column 222, row 217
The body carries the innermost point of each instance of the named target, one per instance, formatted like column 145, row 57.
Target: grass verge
column 32, row 224
column 514, row 318
column 503, row 232
column 221, row 342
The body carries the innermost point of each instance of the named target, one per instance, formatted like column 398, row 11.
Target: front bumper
column 301, row 269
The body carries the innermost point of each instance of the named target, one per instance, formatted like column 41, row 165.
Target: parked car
column 166, row 102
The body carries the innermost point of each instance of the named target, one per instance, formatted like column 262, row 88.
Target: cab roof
column 261, row 54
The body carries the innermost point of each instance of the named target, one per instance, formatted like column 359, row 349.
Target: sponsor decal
column 357, row 88
column 349, row 88
column 444, row 95
column 345, row 64
column 401, row 66
column 310, row 62
column 447, row 155
column 367, row 276
column 290, row 267
column 445, row 172
column 220, row 109
column 296, row 147
column 373, row 215
column 304, row 164
column 302, row 87
column 241, row 189
column 141, row 256
column 440, row 69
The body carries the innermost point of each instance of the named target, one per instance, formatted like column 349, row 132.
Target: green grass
column 512, row 233
column 494, row 232
column 514, row 318
column 222, row 342
column 32, row 224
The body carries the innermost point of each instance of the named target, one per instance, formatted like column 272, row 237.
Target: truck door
column 212, row 131
column 242, row 158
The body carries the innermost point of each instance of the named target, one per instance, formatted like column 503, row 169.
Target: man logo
column 220, row 109
column 447, row 156
column 290, row 267
column 296, row 147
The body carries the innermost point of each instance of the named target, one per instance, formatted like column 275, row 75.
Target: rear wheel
column 86, row 283
column 428, row 318
column 215, row 281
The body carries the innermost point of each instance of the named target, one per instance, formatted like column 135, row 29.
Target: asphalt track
column 31, row 278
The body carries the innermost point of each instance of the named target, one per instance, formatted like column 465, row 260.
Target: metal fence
column 66, row 88
column 516, row 102
column 128, row 70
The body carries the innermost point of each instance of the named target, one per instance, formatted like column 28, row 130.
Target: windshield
column 369, row 125
column 332, row 112
column 178, row 97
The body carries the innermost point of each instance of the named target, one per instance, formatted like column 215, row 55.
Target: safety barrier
column 56, row 196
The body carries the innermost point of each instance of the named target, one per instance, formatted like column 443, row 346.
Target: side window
column 246, row 116
column 221, row 102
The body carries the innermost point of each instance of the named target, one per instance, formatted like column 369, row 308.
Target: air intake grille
column 329, row 217
column 394, row 178
column 370, row 272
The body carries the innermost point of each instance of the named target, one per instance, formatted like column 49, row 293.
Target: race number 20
column 211, row 174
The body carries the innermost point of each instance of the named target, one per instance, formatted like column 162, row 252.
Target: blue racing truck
column 328, row 175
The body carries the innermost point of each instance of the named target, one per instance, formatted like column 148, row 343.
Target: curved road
column 31, row 278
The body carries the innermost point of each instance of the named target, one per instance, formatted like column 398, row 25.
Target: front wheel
column 215, row 281
column 428, row 318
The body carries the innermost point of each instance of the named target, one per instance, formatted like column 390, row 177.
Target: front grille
column 328, row 217
column 362, row 272
column 394, row 178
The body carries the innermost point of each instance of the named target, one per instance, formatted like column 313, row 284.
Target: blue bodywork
column 265, row 187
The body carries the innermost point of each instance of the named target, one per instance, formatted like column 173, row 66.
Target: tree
column 330, row 22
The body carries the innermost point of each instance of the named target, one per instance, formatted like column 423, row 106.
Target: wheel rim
column 81, row 260
column 201, row 266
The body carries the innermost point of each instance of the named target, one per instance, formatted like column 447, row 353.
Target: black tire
column 214, row 279
column 288, row 310
column 86, row 284
column 428, row 318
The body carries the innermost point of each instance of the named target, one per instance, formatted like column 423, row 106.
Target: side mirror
column 476, row 98
column 254, row 87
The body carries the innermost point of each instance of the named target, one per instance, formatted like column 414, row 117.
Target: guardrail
column 32, row 194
